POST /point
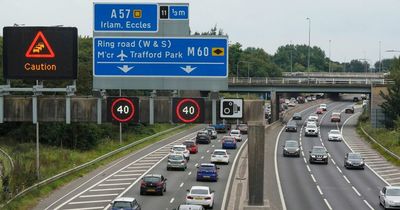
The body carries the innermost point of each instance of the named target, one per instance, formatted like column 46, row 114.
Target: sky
column 355, row 27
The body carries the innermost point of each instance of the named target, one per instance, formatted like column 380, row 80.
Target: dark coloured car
column 228, row 142
column 349, row 110
column 153, row 183
column 203, row 138
column 125, row 203
column 353, row 160
column 207, row 172
column 221, row 128
column 335, row 117
column 296, row 116
column 291, row 126
column 355, row 99
column 318, row 154
column 242, row 128
column 291, row 148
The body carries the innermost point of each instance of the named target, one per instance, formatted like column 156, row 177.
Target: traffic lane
column 61, row 196
column 333, row 186
column 297, row 186
column 176, row 191
column 365, row 181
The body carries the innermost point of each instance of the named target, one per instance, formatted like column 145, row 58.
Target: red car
column 319, row 111
column 191, row 146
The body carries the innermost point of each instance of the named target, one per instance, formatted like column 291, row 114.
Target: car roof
column 290, row 141
column 125, row 199
column 190, row 207
column 235, row 130
column 153, row 175
column 335, row 113
column 334, row 130
column 200, row 187
column 318, row 147
column 228, row 137
column 220, row 150
column 207, row 164
column 180, row 154
column 179, row 145
column 189, row 141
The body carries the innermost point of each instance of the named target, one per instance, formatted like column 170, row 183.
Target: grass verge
column 31, row 199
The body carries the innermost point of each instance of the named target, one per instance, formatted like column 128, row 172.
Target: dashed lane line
column 355, row 190
column 369, row 206
column 319, row 190
column 327, row 204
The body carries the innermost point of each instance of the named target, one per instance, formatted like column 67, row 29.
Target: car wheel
column 326, row 163
column 168, row 169
column 284, row 155
column 141, row 193
column 298, row 155
column 161, row 193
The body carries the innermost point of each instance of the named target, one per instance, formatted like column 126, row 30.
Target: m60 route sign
column 123, row 109
column 188, row 110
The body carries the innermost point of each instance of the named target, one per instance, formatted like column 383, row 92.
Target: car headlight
column 313, row 156
column 349, row 162
column 362, row 162
column 297, row 149
column 391, row 202
column 285, row 149
column 325, row 156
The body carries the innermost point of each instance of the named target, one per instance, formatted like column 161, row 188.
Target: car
column 389, row 197
column 211, row 132
column 349, row 110
column 311, row 130
column 181, row 149
column 191, row 146
column 365, row 103
column 189, row 207
column 353, row 160
column 202, row 137
column 324, row 107
column 236, row 134
column 318, row 154
column 363, row 96
column 319, row 111
column 313, row 117
column 297, row 116
column 311, row 123
column 220, row 156
column 291, row 148
column 221, row 127
column 242, row 128
column 153, row 183
column 335, row 117
column 291, row 126
column 228, row 142
column 201, row 195
column 292, row 104
column 355, row 99
column 207, row 171
column 313, row 98
column 125, row 203
column 335, row 135
column 176, row 161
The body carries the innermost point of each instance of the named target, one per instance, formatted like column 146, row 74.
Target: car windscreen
column 175, row 157
column 354, row 156
column 319, row 150
column 335, row 132
column 219, row 153
column 152, row 179
column 228, row 140
column 311, row 125
column 235, row 132
column 179, row 149
column 393, row 192
column 206, row 168
column 121, row 204
column 199, row 191
column 291, row 144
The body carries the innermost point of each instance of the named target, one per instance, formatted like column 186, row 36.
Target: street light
column 248, row 68
column 329, row 56
column 291, row 56
column 309, row 41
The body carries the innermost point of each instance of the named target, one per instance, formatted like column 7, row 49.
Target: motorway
column 318, row 186
column 122, row 178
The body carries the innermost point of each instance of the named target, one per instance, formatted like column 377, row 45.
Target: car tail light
column 213, row 156
column 207, row 198
column 159, row 183
column 189, row 197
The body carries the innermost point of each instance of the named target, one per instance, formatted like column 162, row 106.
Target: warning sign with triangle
column 40, row 48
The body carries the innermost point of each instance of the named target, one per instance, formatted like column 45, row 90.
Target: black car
column 318, row 154
column 296, row 116
column 355, row 99
column 291, row 148
column 202, row 137
column 353, row 160
column 291, row 126
column 349, row 110
column 153, row 183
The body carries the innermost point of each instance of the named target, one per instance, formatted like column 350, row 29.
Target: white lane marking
column 181, row 184
column 394, row 178
column 121, row 175
column 395, row 174
column 106, row 189
column 383, row 167
column 189, row 173
column 172, row 200
column 133, row 171
column 369, row 206
column 278, row 180
column 305, row 160
column 355, row 190
column 386, row 170
column 312, row 176
column 137, row 167
column 213, row 145
column 319, row 190
column 337, row 167
column 126, row 179
column 302, row 153
column 86, row 202
column 114, row 184
column 327, row 204
column 88, row 208
column 347, row 180
column 208, row 151
column 308, row 168
column 333, row 161
column 195, row 165
column 301, row 147
column 98, row 195
column 202, row 157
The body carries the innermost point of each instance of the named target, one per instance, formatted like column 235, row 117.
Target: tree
column 391, row 105
column 357, row 66
column 386, row 64
column 235, row 51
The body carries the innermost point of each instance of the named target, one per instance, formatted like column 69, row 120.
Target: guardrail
column 82, row 166
column 380, row 145
column 8, row 157
column 334, row 74
column 282, row 81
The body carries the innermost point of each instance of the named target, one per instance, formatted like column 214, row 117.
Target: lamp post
column 309, row 42
column 248, row 68
column 329, row 56
column 291, row 57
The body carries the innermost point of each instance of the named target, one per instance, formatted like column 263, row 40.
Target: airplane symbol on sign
column 122, row 56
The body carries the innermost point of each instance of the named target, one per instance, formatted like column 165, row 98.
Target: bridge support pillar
column 151, row 107
column 1, row 109
column 274, row 106
column 99, row 110
column 68, row 110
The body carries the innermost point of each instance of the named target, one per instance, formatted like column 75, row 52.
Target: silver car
column 389, row 197
column 176, row 161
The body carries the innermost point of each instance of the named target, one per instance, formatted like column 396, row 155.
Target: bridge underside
column 301, row 89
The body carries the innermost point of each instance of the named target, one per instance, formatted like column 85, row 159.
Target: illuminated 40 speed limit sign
column 123, row 109
column 188, row 110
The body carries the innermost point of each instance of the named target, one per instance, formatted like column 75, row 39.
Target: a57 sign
column 123, row 109
column 188, row 110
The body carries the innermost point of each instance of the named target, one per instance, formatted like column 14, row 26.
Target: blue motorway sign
column 179, row 12
column 125, row 17
column 160, row 57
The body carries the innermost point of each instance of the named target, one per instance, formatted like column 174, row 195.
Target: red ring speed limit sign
column 188, row 110
column 123, row 109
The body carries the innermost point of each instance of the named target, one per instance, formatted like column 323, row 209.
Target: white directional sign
column 231, row 108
